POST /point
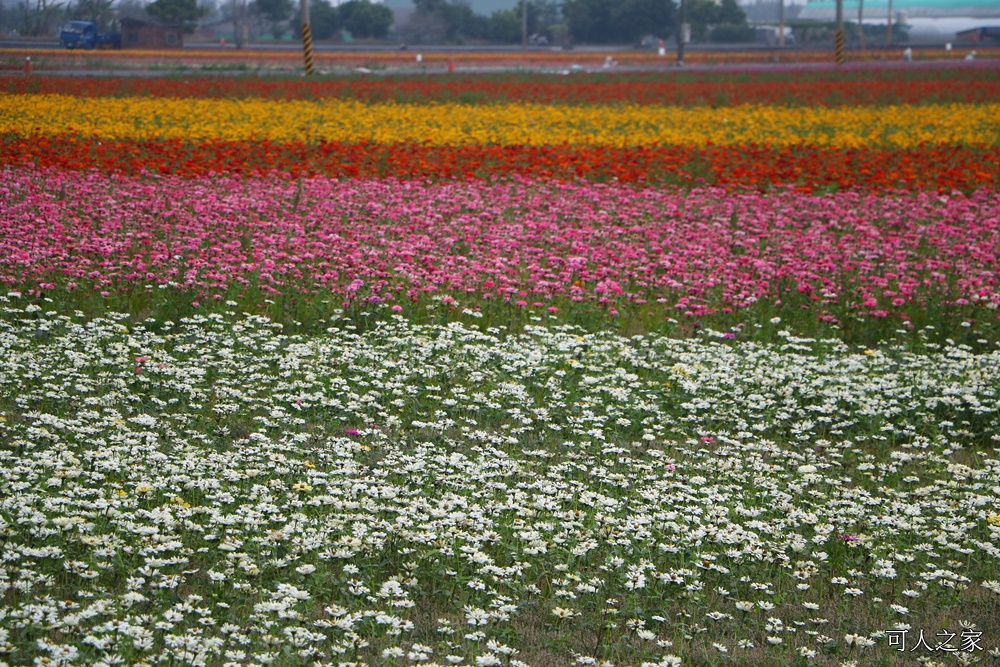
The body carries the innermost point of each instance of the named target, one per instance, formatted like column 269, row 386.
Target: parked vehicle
column 85, row 35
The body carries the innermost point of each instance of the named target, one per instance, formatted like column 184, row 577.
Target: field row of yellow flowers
column 900, row 126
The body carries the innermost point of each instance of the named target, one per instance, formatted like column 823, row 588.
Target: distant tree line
column 561, row 22
column 585, row 21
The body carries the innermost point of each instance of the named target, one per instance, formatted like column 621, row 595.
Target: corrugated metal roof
column 912, row 8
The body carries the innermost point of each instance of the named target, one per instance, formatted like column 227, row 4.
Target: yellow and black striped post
column 838, row 49
column 307, row 38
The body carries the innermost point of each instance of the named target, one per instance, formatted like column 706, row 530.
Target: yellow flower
column 309, row 464
column 180, row 502
column 993, row 519
column 301, row 486
column 346, row 120
column 120, row 493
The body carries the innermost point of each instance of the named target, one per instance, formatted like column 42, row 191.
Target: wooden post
column 838, row 49
column 781, row 23
column 680, row 37
column 524, row 25
column 861, row 25
column 888, row 27
column 307, row 39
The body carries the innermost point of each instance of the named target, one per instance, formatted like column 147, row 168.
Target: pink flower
column 669, row 247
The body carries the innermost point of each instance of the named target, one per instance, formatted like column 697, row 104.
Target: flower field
column 334, row 62
column 628, row 370
column 933, row 129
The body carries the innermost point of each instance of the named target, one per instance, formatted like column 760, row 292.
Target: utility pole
column 838, row 48
column 524, row 25
column 307, row 38
column 888, row 27
column 861, row 25
column 781, row 23
column 680, row 37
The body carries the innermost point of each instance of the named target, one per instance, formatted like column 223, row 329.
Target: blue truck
column 85, row 35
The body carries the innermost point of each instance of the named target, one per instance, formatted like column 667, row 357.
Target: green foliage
column 459, row 21
column 98, row 11
column 729, row 33
column 177, row 11
column 730, row 13
column 704, row 14
column 324, row 19
column 618, row 21
column 275, row 12
column 365, row 19
column 40, row 17
column 505, row 25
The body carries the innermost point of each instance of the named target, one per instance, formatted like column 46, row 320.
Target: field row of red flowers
column 939, row 168
column 290, row 60
column 967, row 85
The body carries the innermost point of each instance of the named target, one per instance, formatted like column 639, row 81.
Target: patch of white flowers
column 218, row 492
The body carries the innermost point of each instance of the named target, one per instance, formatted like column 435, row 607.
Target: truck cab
column 85, row 35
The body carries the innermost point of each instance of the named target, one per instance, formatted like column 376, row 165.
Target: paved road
column 32, row 44
column 582, row 60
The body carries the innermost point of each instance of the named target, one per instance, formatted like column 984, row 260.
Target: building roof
column 827, row 9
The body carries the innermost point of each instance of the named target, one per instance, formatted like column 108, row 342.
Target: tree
column 40, row 19
column 177, row 11
column 704, row 13
column 423, row 29
column 621, row 21
column 274, row 12
column 505, row 26
column 133, row 9
column 731, row 13
column 363, row 18
column 324, row 20
column 460, row 22
column 634, row 19
column 589, row 20
column 10, row 19
column 700, row 14
column 98, row 11
column 238, row 12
